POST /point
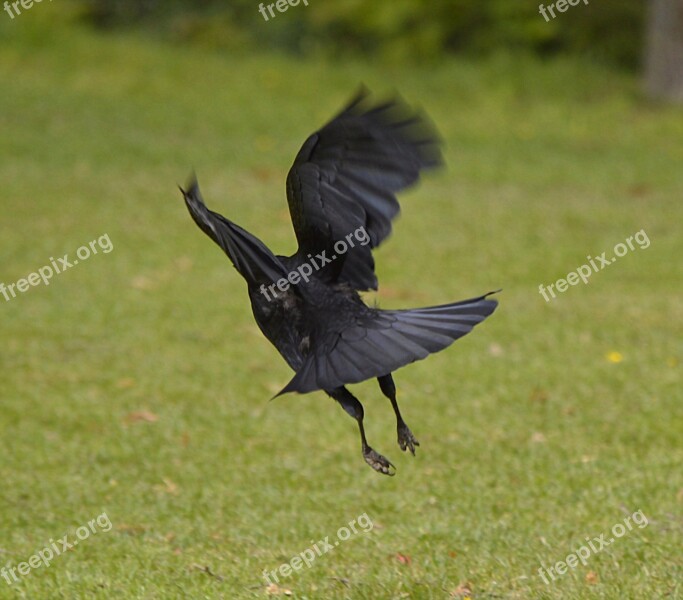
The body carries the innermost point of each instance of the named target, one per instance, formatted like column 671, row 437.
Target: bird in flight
column 341, row 192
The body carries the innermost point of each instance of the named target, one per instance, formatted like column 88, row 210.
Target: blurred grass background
column 138, row 384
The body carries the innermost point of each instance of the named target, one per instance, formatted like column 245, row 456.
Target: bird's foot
column 406, row 439
column 378, row 462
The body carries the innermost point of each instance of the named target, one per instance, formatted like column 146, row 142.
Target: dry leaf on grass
column 140, row 416
column 125, row 383
column 496, row 350
column 464, row 590
column 169, row 487
column 131, row 529
column 276, row 590
column 539, row 395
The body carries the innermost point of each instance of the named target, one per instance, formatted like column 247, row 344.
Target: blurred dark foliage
column 608, row 30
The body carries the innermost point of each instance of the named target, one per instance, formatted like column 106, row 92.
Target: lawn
column 137, row 385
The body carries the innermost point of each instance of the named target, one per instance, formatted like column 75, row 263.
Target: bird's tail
column 388, row 340
column 254, row 261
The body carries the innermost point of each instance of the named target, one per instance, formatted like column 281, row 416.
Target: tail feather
column 388, row 341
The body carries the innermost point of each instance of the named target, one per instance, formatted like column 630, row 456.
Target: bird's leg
column 406, row 440
column 354, row 408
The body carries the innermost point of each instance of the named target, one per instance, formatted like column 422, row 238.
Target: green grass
column 531, row 438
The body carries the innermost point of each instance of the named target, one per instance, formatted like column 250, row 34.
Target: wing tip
column 191, row 188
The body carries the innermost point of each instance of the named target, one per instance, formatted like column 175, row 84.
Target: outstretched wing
column 346, row 175
column 250, row 256
column 385, row 341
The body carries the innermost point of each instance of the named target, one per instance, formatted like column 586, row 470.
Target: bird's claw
column 406, row 440
column 378, row 462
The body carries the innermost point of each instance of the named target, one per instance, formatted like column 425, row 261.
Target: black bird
column 341, row 194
